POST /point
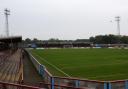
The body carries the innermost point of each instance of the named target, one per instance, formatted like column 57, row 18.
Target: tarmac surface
column 30, row 75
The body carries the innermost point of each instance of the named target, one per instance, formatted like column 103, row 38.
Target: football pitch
column 94, row 64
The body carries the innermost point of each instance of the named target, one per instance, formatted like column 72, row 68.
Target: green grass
column 95, row 64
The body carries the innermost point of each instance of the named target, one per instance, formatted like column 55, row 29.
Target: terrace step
column 20, row 72
column 9, row 75
column 16, row 71
column 6, row 72
column 3, row 70
column 12, row 77
column 4, row 63
column 3, row 67
column 14, row 74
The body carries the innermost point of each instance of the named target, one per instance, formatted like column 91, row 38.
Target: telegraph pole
column 7, row 12
column 118, row 25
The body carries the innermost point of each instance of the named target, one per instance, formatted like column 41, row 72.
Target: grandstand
column 69, row 44
column 10, row 68
column 11, row 64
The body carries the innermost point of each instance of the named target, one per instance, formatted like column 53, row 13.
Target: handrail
column 34, row 58
column 48, row 72
column 62, row 86
column 97, row 81
column 19, row 85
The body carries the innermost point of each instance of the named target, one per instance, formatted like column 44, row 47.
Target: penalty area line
column 53, row 65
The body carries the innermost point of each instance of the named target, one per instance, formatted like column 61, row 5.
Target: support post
column 126, row 84
column 52, row 82
column 77, row 83
column 105, row 85
column 41, row 70
column 109, row 85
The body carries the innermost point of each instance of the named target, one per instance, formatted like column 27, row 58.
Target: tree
column 109, row 39
column 98, row 39
column 54, row 40
column 124, row 39
column 92, row 39
column 35, row 40
column 27, row 40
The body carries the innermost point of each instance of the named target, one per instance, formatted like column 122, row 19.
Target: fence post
column 41, row 70
column 77, row 83
column 105, row 85
column 59, row 83
column 52, row 82
column 109, row 85
column 126, row 84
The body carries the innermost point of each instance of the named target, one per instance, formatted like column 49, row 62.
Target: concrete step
column 4, row 63
column 4, row 69
column 4, row 66
column 9, row 71
column 16, row 80
column 14, row 74
column 9, row 75
column 6, row 72
column 15, row 71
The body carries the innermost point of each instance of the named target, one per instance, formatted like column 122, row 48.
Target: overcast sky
column 64, row 19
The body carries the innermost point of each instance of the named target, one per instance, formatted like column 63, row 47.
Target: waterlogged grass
column 95, row 64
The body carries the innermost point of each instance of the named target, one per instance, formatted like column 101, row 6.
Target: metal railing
column 5, row 85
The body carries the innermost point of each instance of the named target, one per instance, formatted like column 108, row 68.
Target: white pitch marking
column 53, row 65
